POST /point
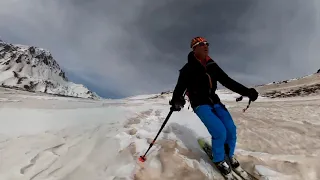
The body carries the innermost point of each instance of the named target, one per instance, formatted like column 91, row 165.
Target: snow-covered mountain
column 34, row 69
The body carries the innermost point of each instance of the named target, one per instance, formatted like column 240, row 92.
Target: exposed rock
column 32, row 50
column 19, row 59
column 15, row 74
column 300, row 91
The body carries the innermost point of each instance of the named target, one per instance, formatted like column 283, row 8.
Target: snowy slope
column 304, row 86
column 34, row 69
column 60, row 138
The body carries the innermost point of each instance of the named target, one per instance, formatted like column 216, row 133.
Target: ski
column 207, row 149
column 241, row 172
column 236, row 174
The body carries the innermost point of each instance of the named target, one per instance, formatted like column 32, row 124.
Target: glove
column 177, row 104
column 253, row 94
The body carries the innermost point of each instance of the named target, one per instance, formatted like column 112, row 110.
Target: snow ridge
column 34, row 69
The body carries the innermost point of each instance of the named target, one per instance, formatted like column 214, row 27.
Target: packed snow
column 63, row 138
column 34, row 69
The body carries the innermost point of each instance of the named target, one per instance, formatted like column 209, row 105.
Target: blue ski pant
column 221, row 127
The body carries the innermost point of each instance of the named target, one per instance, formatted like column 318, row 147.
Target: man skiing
column 199, row 77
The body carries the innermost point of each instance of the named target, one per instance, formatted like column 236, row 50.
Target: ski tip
column 142, row 159
column 201, row 141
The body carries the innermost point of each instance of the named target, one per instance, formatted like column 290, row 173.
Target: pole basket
column 142, row 159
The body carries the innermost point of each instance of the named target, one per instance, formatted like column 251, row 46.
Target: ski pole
column 244, row 110
column 240, row 99
column 143, row 158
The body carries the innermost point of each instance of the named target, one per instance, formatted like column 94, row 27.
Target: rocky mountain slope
column 34, row 69
column 303, row 86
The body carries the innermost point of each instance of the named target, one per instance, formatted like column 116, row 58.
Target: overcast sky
column 120, row 48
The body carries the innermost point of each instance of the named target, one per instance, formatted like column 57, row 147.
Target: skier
column 198, row 78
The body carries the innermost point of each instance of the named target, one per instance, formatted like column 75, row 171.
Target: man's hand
column 253, row 94
column 177, row 104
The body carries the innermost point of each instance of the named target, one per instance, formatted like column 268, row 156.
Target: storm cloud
column 123, row 48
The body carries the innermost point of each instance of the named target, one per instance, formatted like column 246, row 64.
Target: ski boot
column 225, row 170
column 234, row 163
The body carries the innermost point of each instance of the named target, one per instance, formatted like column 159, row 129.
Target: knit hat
column 197, row 40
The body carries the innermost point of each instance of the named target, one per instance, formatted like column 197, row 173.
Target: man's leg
column 231, row 129
column 215, row 128
column 231, row 138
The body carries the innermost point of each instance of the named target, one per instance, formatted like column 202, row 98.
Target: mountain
column 34, row 69
column 303, row 86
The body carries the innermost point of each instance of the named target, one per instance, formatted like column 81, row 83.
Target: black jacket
column 201, row 82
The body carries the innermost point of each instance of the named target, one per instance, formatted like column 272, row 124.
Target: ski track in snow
column 56, row 138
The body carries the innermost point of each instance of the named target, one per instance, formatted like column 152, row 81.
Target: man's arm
column 216, row 72
column 181, row 86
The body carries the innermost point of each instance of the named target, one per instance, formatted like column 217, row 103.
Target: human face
column 202, row 49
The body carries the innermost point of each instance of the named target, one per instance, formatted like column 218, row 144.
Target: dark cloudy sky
column 121, row 48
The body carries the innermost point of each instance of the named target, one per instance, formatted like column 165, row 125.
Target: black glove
column 177, row 104
column 253, row 94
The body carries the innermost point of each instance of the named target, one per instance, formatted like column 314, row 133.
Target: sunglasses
column 200, row 44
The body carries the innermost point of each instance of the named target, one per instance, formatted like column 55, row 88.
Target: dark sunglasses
column 201, row 44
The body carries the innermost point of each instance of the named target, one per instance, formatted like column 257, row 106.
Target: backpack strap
column 210, row 82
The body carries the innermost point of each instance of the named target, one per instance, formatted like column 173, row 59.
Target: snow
column 269, row 174
column 145, row 96
column 46, row 137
